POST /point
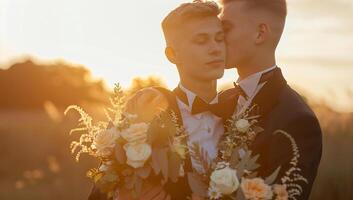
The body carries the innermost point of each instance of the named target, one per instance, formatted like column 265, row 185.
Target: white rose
column 137, row 154
column 242, row 125
column 136, row 133
column 225, row 180
column 105, row 141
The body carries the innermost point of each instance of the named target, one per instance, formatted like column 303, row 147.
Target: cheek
column 191, row 58
column 238, row 40
column 197, row 54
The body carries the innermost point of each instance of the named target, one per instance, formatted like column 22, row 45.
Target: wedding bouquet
column 233, row 174
column 140, row 142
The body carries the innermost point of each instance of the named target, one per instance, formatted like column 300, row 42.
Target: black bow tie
column 199, row 105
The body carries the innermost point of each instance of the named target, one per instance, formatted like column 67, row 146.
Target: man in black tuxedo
column 195, row 44
column 253, row 30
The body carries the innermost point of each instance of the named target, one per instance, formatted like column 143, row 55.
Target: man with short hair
column 195, row 44
column 253, row 30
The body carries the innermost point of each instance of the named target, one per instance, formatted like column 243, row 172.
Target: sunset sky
column 118, row 40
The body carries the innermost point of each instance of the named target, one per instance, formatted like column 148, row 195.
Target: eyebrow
column 200, row 34
column 206, row 34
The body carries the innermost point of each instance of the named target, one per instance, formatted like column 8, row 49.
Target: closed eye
column 200, row 39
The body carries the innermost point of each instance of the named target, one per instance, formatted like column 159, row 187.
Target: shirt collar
column 250, row 83
column 191, row 96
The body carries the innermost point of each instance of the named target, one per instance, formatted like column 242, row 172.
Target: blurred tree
column 139, row 83
column 28, row 85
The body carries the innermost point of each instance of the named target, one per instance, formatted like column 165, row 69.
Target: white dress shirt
column 204, row 128
column 250, row 85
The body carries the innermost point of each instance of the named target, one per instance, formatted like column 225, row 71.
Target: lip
column 216, row 62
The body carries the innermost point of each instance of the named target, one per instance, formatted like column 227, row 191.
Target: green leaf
column 155, row 162
column 110, row 177
column 258, row 129
column 234, row 158
column 120, row 154
column 240, row 194
column 130, row 182
column 241, row 166
column 138, row 186
column 200, row 156
column 271, row 179
column 160, row 162
column 174, row 166
column 161, row 129
column 144, row 172
column 252, row 165
column 197, row 185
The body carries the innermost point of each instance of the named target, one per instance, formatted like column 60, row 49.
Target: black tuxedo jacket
column 281, row 108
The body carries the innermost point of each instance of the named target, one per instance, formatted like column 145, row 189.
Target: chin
column 230, row 67
column 230, row 64
column 217, row 75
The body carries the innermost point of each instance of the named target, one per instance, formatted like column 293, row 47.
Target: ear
column 263, row 33
column 170, row 53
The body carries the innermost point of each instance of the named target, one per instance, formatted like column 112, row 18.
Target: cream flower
column 225, row 180
column 137, row 154
column 242, row 125
column 281, row 192
column 105, row 141
column 136, row 133
column 214, row 193
column 256, row 189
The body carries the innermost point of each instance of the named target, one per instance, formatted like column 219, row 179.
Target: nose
column 215, row 48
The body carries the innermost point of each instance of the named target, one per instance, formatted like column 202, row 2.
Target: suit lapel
column 268, row 96
column 173, row 106
column 266, row 100
column 228, row 99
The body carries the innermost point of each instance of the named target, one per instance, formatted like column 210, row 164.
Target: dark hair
column 197, row 9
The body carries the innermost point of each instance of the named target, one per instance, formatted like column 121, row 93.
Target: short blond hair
column 197, row 9
column 276, row 7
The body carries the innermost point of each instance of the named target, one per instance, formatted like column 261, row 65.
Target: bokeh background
column 56, row 53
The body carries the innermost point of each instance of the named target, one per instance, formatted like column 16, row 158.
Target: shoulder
column 294, row 103
column 293, row 109
column 228, row 93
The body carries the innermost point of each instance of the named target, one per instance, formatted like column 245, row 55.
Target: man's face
column 240, row 33
column 200, row 49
